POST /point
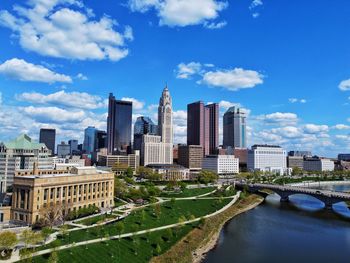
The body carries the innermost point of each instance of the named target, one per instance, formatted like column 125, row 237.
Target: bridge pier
column 284, row 199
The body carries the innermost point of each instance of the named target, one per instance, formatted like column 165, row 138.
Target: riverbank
column 194, row 246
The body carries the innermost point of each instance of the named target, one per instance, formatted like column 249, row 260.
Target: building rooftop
column 265, row 145
column 166, row 166
column 24, row 142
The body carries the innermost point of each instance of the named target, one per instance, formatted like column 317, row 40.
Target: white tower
column 165, row 117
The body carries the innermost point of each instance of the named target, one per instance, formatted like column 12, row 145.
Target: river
column 299, row 231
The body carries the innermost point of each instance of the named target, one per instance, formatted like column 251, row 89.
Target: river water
column 295, row 232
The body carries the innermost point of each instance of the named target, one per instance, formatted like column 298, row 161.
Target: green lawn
column 93, row 220
column 121, row 251
column 188, row 192
column 223, row 193
column 170, row 214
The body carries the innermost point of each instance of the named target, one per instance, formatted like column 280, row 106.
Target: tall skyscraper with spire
column 158, row 149
column 165, row 117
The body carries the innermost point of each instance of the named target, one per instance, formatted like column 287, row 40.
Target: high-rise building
column 203, row 126
column 89, row 145
column 63, row 149
column 73, row 146
column 234, row 129
column 101, row 139
column 48, row 137
column 197, row 131
column 158, row 149
column 213, row 123
column 190, row 156
column 21, row 153
column 144, row 125
column 165, row 117
column 118, row 125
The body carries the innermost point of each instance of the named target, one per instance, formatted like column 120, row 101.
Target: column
column 25, row 199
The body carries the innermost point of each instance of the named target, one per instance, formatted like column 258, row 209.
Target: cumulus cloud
column 182, row 12
column 341, row 127
column 279, row 117
column 185, row 71
column 81, row 76
column 234, row 79
column 313, row 128
column 136, row 104
column 231, row 79
column 344, row 85
column 54, row 114
column 81, row 100
column 254, row 5
column 51, row 28
column 21, row 70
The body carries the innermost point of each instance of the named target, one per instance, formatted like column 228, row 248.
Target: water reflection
column 298, row 231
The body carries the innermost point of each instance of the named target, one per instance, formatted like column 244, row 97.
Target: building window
column 46, row 191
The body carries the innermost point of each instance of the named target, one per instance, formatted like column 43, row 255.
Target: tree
column 64, row 230
column 157, row 210
column 45, row 232
column 129, row 172
column 296, row 171
column 8, row 240
column 29, row 237
column 206, row 177
column 53, row 257
column 51, row 214
column 120, row 188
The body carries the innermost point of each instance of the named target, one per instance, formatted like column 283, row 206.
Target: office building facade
column 90, row 135
column 118, row 125
column 48, row 137
column 21, row 153
column 203, row 126
column 221, row 164
column 63, row 149
column 317, row 164
column 267, row 158
column 190, row 156
column 234, row 128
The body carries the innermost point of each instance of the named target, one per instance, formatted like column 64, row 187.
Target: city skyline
column 284, row 89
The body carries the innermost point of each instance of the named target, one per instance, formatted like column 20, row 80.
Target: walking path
column 15, row 257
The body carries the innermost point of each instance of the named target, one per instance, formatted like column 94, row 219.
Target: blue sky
column 286, row 62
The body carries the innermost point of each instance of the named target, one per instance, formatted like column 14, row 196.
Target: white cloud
column 214, row 25
column 180, row 12
column 81, row 100
column 81, row 76
column 234, row 79
column 54, row 114
column 344, row 85
column 279, row 117
column 0, row 98
column 136, row 104
column 185, row 71
column 24, row 71
column 255, row 3
column 50, row 28
column 313, row 128
column 295, row 100
column 341, row 127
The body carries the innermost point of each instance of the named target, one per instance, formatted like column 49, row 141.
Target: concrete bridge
column 284, row 191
